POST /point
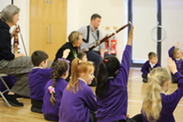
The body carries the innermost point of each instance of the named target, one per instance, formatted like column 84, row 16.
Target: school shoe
column 145, row 80
column 13, row 101
column 36, row 110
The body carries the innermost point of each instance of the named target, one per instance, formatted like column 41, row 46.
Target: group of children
column 174, row 53
column 74, row 101
column 47, row 84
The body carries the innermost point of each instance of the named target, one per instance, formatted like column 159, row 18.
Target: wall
column 4, row 3
column 24, row 22
column 172, row 22
column 144, row 19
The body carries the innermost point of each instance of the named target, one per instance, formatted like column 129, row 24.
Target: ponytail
column 58, row 69
column 54, row 78
column 73, row 83
column 101, row 80
column 78, row 67
column 152, row 104
column 107, row 68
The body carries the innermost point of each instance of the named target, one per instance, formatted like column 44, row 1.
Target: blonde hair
column 77, row 68
column 74, row 36
column 152, row 104
column 8, row 12
column 175, row 51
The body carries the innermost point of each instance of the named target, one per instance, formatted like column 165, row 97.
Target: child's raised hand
column 172, row 66
column 130, row 38
column 66, row 53
column 176, row 44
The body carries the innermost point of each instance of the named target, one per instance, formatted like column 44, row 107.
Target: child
column 82, row 56
column 149, row 65
column 157, row 106
column 54, row 89
column 111, row 90
column 78, row 98
column 176, row 54
column 38, row 78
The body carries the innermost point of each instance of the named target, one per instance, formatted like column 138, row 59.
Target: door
column 47, row 25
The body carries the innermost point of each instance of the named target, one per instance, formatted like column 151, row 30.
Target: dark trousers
column 144, row 78
column 36, row 105
column 93, row 116
column 127, row 120
column 138, row 118
column 95, row 57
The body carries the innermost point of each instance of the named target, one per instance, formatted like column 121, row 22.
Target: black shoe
column 37, row 110
column 145, row 80
column 13, row 101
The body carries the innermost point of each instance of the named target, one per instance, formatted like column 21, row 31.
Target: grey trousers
column 19, row 67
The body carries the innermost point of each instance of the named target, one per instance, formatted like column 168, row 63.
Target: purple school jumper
column 179, row 63
column 51, row 112
column 114, row 106
column 169, row 102
column 38, row 78
column 146, row 68
column 75, row 107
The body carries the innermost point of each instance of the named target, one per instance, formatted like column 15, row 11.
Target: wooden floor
column 136, row 91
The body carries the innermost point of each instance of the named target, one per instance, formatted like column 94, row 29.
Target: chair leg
column 5, row 99
column 2, row 93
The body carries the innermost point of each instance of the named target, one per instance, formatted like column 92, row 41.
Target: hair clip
column 64, row 60
column 105, row 60
column 51, row 89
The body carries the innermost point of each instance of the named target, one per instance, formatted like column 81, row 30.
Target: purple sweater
column 75, row 107
column 179, row 63
column 38, row 78
column 146, row 68
column 169, row 102
column 51, row 112
column 114, row 106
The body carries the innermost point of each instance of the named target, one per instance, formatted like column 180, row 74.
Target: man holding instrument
column 91, row 34
column 13, row 63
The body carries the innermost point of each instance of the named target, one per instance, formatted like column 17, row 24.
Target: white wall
column 144, row 19
column 172, row 22
column 24, row 21
column 4, row 3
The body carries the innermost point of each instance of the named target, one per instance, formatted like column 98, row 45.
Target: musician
column 69, row 50
column 10, row 63
column 91, row 34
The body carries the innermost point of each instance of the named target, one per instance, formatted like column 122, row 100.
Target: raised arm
column 170, row 51
column 175, row 97
column 126, row 60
